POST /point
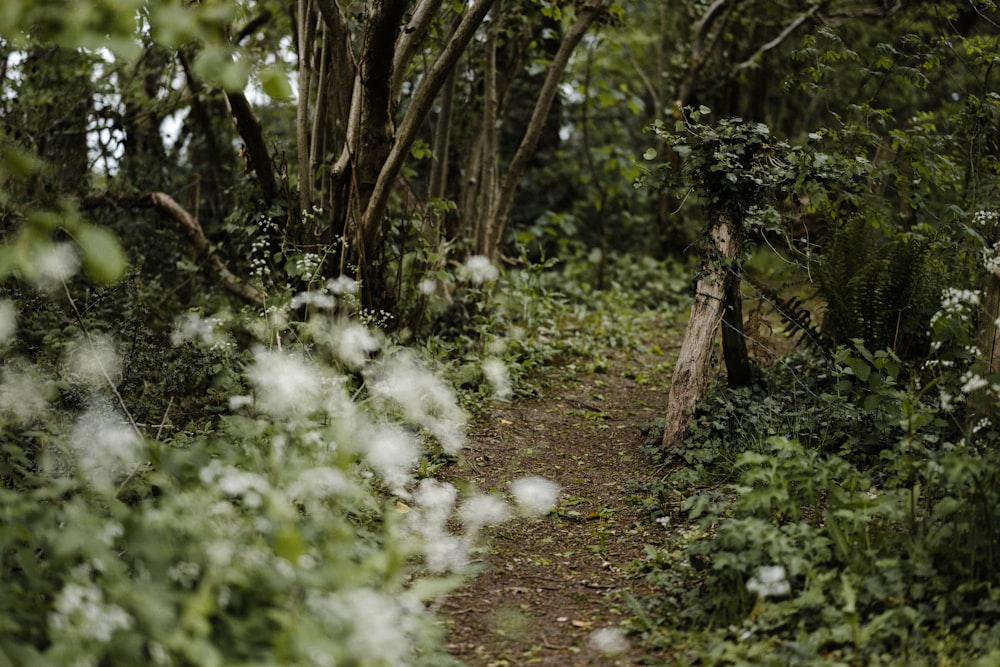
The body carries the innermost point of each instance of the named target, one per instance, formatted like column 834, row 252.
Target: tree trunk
column 707, row 312
column 989, row 335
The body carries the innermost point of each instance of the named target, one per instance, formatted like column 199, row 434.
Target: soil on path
column 547, row 584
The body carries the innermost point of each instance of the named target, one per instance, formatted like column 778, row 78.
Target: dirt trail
column 548, row 584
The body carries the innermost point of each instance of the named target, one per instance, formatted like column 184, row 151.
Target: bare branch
column 257, row 157
column 782, row 36
column 203, row 248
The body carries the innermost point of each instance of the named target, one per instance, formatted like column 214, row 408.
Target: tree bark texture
column 989, row 336
column 693, row 363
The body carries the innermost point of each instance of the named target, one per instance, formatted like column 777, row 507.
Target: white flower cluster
column 106, row 447
column 985, row 219
column 93, row 361
column 379, row 629
column 204, row 331
column 232, row 481
column 499, row 378
column 770, row 581
column 80, row 610
column 479, row 269
column 535, row 495
column 608, row 641
column 285, row 383
column 423, row 397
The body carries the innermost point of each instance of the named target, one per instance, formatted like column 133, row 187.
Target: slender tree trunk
column 497, row 220
column 989, row 335
column 691, row 373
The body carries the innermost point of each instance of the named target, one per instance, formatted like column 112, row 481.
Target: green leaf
column 103, row 257
column 275, row 84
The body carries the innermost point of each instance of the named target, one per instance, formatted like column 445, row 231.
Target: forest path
column 547, row 584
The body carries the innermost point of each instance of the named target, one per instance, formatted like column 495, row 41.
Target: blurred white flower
column 22, row 395
column 56, row 263
column 436, row 501
column 354, row 344
column 285, row 384
column 94, row 361
column 314, row 300
column 427, row 286
column 197, row 329
column 235, row 482
column 608, row 641
column 342, row 285
column 535, row 495
column 479, row 269
column 319, row 483
column 379, row 627
column 483, row 510
column 769, row 581
column 499, row 378
column 425, row 399
column 445, row 553
column 8, row 320
column 80, row 609
column 106, row 447
column 393, row 453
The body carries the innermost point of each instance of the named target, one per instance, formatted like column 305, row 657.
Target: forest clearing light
column 535, row 495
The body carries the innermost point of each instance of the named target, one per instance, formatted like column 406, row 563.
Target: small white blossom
column 319, row 482
column 973, row 383
column 106, row 447
column 192, row 327
column 22, row 395
column 343, row 285
column 425, row 399
column 379, row 628
column 94, row 361
column 55, row 264
column 81, row 610
column 479, row 269
column 393, row 453
column 769, row 581
column 316, row 300
column 8, row 321
column 499, row 378
column 354, row 345
column 427, row 286
column 483, row 510
column 285, row 384
column 608, row 641
column 535, row 495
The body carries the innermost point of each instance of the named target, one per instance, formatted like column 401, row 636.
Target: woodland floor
column 547, row 584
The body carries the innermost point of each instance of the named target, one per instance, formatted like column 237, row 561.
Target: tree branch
column 782, row 36
column 408, row 41
column 203, row 248
column 257, row 157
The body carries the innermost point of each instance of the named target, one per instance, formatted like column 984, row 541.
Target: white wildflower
column 425, row 399
column 317, row 300
column 380, row 628
column 235, row 482
column 393, row 453
column 94, row 361
column 973, row 382
column 285, row 384
column 608, row 641
column 81, row 610
column 184, row 573
column 769, row 581
column 499, row 378
column 8, row 321
column 445, row 553
column 106, row 447
column 343, row 285
column 354, row 345
column 535, row 495
column 436, row 501
column 238, row 402
column 319, row 483
column 479, row 269
column 483, row 510
column 22, row 395
column 56, row 263
column 427, row 286
column 192, row 327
